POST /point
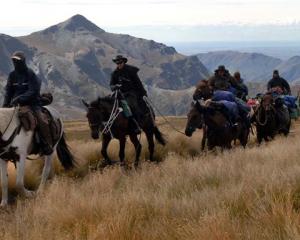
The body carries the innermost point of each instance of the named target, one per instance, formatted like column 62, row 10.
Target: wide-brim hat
column 221, row 68
column 20, row 56
column 120, row 58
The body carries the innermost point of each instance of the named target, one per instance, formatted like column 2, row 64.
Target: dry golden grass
column 238, row 194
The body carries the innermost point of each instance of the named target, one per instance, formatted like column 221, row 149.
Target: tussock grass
column 237, row 194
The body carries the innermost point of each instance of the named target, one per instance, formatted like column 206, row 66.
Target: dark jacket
column 129, row 80
column 241, row 90
column 25, row 87
column 279, row 82
column 221, row 82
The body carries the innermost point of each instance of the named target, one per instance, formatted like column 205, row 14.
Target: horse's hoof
column 3, row 204
column 29, row 194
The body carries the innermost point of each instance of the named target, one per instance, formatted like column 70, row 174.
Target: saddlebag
column 27, row 118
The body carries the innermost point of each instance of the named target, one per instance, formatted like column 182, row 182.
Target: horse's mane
column 202, row 83
column 5, row 117
column 107, row 99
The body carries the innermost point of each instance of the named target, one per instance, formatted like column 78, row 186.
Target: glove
column 15, row 101
column 115, row 87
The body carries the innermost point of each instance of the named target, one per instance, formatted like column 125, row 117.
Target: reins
column 116, row 110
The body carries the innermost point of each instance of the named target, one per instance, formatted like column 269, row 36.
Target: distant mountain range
column 254, row 67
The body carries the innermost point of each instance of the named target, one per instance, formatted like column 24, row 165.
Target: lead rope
column 151, row 105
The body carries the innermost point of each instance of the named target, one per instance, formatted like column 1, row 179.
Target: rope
column 113, row 116
column 258, row 118
column 150, row 104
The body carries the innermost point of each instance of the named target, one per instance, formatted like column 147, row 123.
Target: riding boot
column 44, row 133
column 134, row 126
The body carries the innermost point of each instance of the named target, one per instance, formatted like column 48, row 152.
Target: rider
column 240, row 87
column 222, row 80
column 125, row 78
column 278, row 83
column 279, row 87
column 224, row 88
column 23, row 88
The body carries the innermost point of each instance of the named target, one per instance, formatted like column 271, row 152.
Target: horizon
column 223, row 20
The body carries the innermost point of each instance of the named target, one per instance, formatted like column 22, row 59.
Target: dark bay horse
column 99, row 113
column 270, row 119
column 217, row 129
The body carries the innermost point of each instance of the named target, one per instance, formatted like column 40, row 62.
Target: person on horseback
column 280, row 88
column 23, row 89
column 125, row 78
column 241, row 90
column 224, row 90
column 222, row 80
column 279, row 84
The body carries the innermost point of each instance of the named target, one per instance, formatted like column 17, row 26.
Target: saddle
column 30, row 122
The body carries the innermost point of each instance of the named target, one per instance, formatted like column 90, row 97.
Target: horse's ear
column 85, row 103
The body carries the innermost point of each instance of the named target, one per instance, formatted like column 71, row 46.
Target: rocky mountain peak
column 74, row 24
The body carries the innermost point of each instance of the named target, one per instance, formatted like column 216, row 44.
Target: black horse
column 99, row 113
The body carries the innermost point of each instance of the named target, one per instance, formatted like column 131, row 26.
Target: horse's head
column 96, row 115
column 203, row 91
column 267, row 102
column 194, row 119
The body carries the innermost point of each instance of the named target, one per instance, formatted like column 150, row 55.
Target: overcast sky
column 19, row 17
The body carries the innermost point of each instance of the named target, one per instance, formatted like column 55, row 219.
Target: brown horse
column 100, row 111
column 203, row 90
column 217, row 129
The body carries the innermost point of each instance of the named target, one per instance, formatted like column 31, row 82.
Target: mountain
column 253, row 66
column 74, row 61
column 91, row 49
column 290, row 69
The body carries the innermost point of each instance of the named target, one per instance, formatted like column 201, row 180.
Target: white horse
column 17, row 144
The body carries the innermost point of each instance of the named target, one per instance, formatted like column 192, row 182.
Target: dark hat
column 18, row 55
column 276, row 72
column 237, row 74
column 221, row 68
column 120, row 58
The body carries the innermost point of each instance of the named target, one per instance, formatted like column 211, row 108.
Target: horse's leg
column 259, row 136
column 150, row 141
column 203, row 138
column 4, row 182
column 46, row 171
column 105, row 142
column 122, row 142
column 20, row 176
column 138, row 148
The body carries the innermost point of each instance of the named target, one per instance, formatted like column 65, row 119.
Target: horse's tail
column 64, row 155
column 159, row 136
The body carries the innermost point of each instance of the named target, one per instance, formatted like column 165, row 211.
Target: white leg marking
column 20, row 177
column 46, row 170
column 4, row 182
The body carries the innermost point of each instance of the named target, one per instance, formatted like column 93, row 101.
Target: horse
column 267, row 120
column 217, row 129
column 16, row 144
column 105, row 115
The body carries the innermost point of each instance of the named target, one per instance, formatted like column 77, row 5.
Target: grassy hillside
column 238, row 194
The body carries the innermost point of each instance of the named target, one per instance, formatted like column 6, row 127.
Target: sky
column 151, row 18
